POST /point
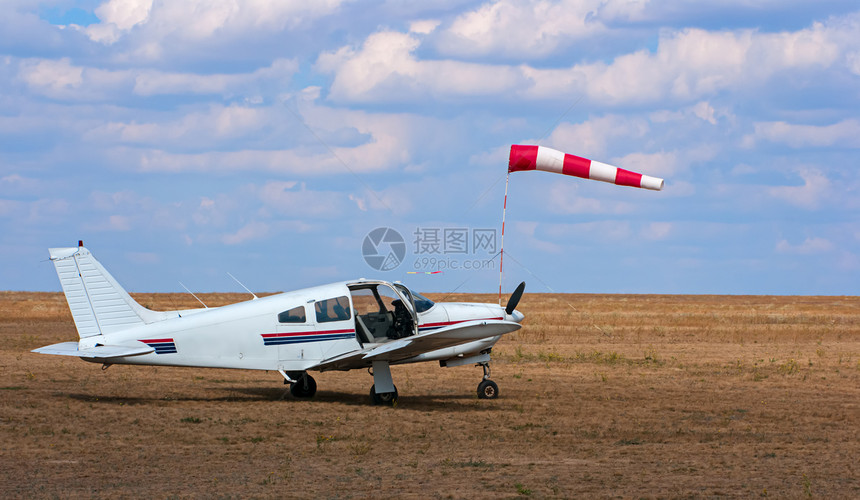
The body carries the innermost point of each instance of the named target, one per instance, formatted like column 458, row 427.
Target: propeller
column 515, row 298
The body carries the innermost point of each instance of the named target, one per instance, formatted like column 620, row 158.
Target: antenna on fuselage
column 192, row 294
column 243, row 286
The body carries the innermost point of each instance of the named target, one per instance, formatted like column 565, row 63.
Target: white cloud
column 253, row 230
column 124, row 210
column 494, row 157
column 216, row 211
column 667, row 163
column 702, row 110
column 852, row 60
column 530, row 29
column 118, row 17
column 816, row 187
column 9, row 207
column 386, row 141
column 593, row 137
column 848, row 261
column 808, row 247
column 521, row 28
column 662, row 164
column 156, row 82
column 60, row 79
column 691, row 64
column 16, row 184
column 118, row 223
column 526, row 234
column 658, row 230
column 196, row 20
column 52, row 77
column 45, row 210
column 564, row 198
column 197, row 129
column 687, row 65
column 386, row 69
column 705, row 111
column 678, row 189
column 361, row 203
column 608, row 230
column 294, row 200
column 424, row 26
column 144, row 257
column 845, row 133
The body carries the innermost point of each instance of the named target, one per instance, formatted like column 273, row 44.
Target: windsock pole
column 502, row 252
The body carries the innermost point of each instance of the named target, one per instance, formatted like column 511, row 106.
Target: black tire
column 488, row 389
column 386, row 398
column 299, row 389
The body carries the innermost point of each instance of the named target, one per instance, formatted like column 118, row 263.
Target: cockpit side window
column 336, row 309
column 366, row 300
column 294, row 315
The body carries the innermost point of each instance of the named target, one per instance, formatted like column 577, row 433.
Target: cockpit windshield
column 422, row 303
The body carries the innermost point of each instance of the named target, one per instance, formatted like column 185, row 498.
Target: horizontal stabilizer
column 99, row 352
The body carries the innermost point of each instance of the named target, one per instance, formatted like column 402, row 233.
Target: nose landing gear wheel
column 304, row 387
column 386, row 398
column 488, row 389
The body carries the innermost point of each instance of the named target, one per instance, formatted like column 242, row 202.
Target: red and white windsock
column 550, row 160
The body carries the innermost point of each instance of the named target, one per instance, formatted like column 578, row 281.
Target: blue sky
column 185, row 139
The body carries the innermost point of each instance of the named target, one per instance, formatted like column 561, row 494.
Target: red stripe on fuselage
column 299, row 334
column 156, row 341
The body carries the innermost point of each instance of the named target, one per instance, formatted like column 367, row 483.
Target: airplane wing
column 409, row 347
column 345, row 361
column 98, row 352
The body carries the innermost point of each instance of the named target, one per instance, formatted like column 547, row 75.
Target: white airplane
column 341, row 326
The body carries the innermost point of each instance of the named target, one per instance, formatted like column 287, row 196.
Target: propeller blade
column 515, row 298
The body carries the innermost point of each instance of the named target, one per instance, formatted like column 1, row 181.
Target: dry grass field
column 601, row 396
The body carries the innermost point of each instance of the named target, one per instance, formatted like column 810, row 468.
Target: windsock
column 550, row 160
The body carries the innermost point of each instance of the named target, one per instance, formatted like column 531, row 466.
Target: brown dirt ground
column 601, row 396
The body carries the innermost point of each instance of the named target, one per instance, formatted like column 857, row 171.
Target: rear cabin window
column 332, row 309
column 294, row 315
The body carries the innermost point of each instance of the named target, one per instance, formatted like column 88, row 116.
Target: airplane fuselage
column 248, row 335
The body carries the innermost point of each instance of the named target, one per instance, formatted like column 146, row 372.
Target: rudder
column 99, row 305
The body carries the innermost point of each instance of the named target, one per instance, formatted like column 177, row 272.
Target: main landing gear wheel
column 304, row 387
column 488, row 389
column 386, row 398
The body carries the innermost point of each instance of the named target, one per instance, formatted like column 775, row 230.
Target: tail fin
column 98, row 303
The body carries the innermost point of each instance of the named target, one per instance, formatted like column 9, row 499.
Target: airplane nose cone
column 517, row 316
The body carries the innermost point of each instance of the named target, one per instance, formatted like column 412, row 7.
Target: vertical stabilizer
column 98, row 303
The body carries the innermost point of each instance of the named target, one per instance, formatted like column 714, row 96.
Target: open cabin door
column 409, row 302
column 382, row 312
